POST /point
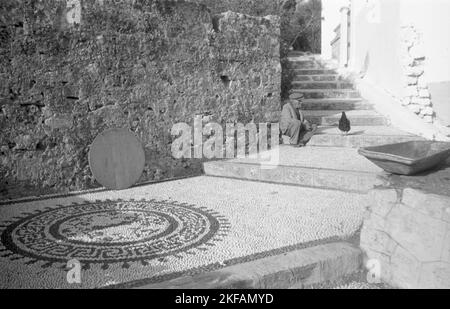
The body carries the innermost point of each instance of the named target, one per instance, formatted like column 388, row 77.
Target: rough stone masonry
column 71, row 69
column 407, row 230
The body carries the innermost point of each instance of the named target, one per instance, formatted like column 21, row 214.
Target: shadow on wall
column 440, row 94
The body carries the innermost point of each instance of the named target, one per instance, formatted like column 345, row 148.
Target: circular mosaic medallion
column 113, row 232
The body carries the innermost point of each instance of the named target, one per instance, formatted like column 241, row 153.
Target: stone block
column 414, row 71
column 331, row 179
column 404, row 268
column 304, row 177
column 411, row 80
column 377, row 240
column 417, row 52
column 428, row 119
column 406, row 60
column 424, row 93
column 59, row 122
column 408, row 35
column 427, row 111
column 406, row 101
column 421, row 101
column 435, row 275
column 382, row 200
column 432, row 205
column 445, row 257
column 296, row 96
column 415, row 108
column 421, row 235
column 411, row 91
column 412, row 239
column 422, row 82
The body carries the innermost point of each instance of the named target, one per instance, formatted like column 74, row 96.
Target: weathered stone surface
column 435, row 276
column 421, row 235
column 142, row 65
column 424, row 93
column 446, row 250
column 413, row 59
column 417, row 52
column 382, row 201
column 427, row 111
column 249, row 7
column 433, row 205
column 415, row 108
column 404, row 267
column 378, row 240
column 411, row 80
column 414, row 71
column 411, row 91
column 296, row 269
column 421, row 101
column 411, row 241
column 59, row 122
column 428, row 119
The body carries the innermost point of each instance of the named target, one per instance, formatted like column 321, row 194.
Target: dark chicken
column 344, row 124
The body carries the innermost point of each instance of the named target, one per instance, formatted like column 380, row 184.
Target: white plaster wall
column 432, row 19
column 330, row 20
column 375, row 43
column 375, row 46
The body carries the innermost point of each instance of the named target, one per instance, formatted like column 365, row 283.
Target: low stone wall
column 408, row 232
column 417, row 96
column 71, row 69
column 248, row 7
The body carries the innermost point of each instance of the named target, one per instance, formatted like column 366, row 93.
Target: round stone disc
column 116, row 159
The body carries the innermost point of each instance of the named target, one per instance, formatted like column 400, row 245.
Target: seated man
column 295, row 126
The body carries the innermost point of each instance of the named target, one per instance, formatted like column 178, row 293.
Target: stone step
column 356, row 117
column 300, row 268
column 327, row 94
column 359, row 136
column 313, row 71
column 322, row 85
column 305, row 64
column 318, row 167
column 298, row 53
column 317, row 78
column 335, row 104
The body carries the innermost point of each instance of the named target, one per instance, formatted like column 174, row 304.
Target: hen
column 344, row 123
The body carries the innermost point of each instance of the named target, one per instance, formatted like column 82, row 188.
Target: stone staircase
column 325, row 94
column 330, row 160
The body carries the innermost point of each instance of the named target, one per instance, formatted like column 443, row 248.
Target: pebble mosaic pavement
column 160, row 231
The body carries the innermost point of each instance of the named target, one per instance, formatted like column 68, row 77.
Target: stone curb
column 349, row 181
column 297, row 269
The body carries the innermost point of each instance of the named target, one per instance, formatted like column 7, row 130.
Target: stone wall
column 408, row 232
column 417, row 97
column 248, row 7
column 69, row 70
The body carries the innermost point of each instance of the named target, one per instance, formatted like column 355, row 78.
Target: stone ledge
column 296, row 269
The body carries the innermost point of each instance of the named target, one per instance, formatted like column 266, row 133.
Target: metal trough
column 407, row 158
